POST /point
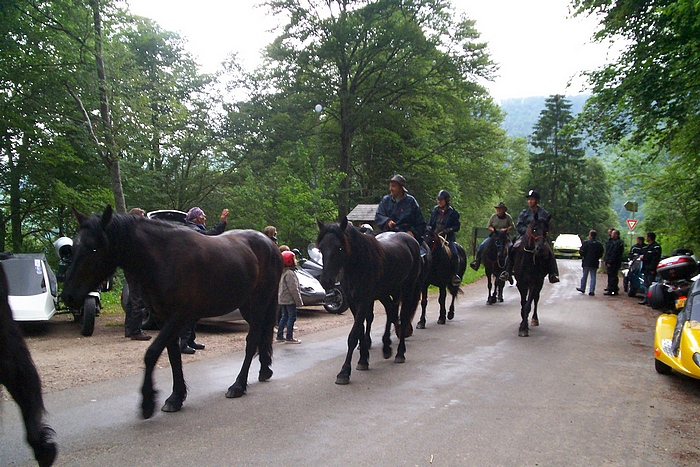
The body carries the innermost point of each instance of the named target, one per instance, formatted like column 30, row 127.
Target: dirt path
column 65, row 358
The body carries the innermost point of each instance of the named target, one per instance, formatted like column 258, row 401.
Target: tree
column 385, row 62
column 559, row 171
column 648, row 100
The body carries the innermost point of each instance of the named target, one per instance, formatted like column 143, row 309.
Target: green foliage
column 573, row 187
column 647, row 103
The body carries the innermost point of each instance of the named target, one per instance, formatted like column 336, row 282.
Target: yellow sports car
column 677, row 338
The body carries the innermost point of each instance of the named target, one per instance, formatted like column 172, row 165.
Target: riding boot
column 476, row 263
column 553, row 270
column 456, row 280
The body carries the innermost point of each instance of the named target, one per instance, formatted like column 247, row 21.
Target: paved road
column 581, row 390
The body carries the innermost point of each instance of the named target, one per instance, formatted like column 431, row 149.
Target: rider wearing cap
column 525, row 218
column 444, row 219
column 500, row 220
column 399, row 211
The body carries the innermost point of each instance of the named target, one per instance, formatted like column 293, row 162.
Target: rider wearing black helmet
column 444, row 219
column 525, row 218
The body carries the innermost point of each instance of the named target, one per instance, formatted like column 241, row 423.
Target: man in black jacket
column 591, row 251
column 613, row 261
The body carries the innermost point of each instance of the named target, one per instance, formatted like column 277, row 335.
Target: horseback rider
column 525, row 218
column 399, row 211
column 444, row 220
column 500, row 220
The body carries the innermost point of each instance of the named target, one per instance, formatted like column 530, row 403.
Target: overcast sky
column 537, row 44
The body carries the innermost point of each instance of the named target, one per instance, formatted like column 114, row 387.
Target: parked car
column 32, row 286
column 677, row 338
column 567, row 246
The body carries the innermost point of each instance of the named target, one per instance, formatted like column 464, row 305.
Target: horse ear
column 344, row 223
column 79, row 215
column 106, row 216
column 319, row 224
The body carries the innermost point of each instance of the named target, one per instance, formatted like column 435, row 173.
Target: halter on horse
column 184, row 276
column 495, row 259
column 531, row 266
column 440, row 275
column 385, row 268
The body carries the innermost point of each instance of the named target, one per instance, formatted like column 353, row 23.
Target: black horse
column 531, row 265
column 19, row 376
column 440, row 275
column 495, row 258
column 184, row 276
column 385, row 268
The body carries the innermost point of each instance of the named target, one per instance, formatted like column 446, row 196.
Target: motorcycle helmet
column 288, row 258
column 444, row 194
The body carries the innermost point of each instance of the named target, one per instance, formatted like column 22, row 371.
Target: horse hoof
column 535, row 322
column 386, row 352
column 171, row 406
column 420, row 325
column 234, row 392
column 524, row 333
column 399, row 359
column 342, row 379
column 147, row 409
column 450, row 315
column 489, row 302
column 441, row 320
column 362, row 366
column 500, row 299
column 265, row 374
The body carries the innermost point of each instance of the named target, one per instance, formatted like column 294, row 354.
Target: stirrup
column 456, row 280
column 504, row 276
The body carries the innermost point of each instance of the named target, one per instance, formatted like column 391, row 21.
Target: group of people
column 592, row 251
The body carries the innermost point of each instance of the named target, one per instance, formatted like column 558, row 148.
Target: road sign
column 632, row 223
column 631, row 206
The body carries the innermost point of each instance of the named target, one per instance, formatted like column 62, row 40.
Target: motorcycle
column 676, row 275
column 309, row 273
column 633, row 278
column 86, row 314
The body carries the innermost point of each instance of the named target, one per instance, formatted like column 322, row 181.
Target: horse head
column 333, row 244
column 92, row 258
column 537, row 235
column 501, row 241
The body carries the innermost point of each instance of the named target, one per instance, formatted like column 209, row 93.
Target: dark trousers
column 613, row 279
column 188, row 336
column 134, row 309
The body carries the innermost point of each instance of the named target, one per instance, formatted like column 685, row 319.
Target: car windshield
column 25, row 276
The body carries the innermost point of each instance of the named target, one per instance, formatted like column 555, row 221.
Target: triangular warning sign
column 632, row 223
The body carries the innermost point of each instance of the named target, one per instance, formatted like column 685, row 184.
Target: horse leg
column 358, row 330
column 488, row 297
column 240, row 386
column 524, row 331
column 451, row 312
column 423, row 305
column 392, row 317
column 265, row 341
column 536, row 298
column 170, row 332
column 174, row 402
column 499, row 286
column 441, row 301
column 23, row 383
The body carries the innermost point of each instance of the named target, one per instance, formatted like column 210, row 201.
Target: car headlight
column 696, row 358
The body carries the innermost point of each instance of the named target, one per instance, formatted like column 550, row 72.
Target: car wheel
column 335, row 301
column 662, row 368
column 658, row 299
column 89, row 313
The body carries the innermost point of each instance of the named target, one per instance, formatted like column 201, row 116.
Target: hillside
column 522, row 113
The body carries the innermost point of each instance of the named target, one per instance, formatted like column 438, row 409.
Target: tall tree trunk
column 110, row 154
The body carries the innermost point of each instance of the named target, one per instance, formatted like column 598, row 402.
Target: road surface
column 581, row 390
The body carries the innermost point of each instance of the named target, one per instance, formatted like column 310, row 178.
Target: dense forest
column 103, row 107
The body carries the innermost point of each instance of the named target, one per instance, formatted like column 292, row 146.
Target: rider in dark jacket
column 444, row 219
column 399, row 211
column 525, row 218
column 614, row 250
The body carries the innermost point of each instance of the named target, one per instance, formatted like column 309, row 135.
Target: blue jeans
column 289, row 316
column 586, row 272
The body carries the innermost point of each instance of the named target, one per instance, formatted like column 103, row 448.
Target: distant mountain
column 522, row 113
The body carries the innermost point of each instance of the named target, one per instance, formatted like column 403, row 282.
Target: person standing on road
column 591, row 251
column 196, row 220
column 289, row 298
column 133, row 311
column 613, row 262
column 652, row 256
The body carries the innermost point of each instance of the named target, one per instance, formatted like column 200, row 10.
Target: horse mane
column 371, row 265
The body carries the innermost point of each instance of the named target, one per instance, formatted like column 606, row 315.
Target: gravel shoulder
column 65, row 358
